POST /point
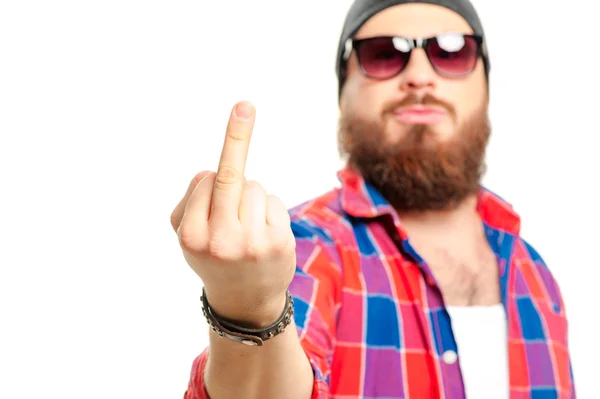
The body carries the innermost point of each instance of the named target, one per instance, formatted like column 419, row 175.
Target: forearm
column 278, row 369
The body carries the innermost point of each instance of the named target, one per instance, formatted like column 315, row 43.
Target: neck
column 459, row 217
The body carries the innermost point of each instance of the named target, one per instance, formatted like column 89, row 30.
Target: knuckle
column 175, row 220
column 253, row 254
column 282, row 239
column 254, row 187
column 253, row 184
column 276, row 203
column 188, row 239
column 284, row 244
column 215, row 248
column 219, row 247
column 283, row 217
column 256, row 255
column 256, row 251
column 199, row 177
column 268, row 247
column 227, row 176
column 278, row 213
column 240, row 135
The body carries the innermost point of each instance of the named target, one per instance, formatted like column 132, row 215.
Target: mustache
column 414, row 99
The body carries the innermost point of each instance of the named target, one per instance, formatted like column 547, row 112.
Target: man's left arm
column 554, row 296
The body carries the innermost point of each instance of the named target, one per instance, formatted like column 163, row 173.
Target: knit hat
column 362, row 10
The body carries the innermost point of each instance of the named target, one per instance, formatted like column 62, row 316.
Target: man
column 409, row 281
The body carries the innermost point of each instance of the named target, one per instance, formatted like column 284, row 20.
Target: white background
column 108, row 109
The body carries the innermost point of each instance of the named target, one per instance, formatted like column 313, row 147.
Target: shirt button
column 449, row 357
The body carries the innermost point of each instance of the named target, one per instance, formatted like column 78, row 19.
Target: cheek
column 469, row 100
column 475, row 95
column 364, row 98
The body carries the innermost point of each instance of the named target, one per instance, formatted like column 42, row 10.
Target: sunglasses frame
column 414, row 43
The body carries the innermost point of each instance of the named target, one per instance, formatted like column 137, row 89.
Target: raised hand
column 234, row 236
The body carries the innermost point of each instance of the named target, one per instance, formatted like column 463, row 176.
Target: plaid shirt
column 371, row 318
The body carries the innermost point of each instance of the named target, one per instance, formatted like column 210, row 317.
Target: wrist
column 246, row 312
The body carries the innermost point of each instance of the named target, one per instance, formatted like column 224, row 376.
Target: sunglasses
column 452, row 55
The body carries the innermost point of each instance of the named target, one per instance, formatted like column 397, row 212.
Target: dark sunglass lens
column 453, row 55
column 379, row 58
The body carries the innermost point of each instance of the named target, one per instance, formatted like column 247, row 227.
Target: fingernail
column 244, row 110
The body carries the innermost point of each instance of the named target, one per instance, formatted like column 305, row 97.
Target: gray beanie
column 362, row 10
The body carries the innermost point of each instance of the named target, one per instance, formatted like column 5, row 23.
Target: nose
column 418, row 75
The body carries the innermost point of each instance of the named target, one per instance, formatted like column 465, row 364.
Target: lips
column 421, row 115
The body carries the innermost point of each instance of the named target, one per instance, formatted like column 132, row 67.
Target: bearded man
column 410, row 280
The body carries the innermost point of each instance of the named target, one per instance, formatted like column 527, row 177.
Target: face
column 418, row 137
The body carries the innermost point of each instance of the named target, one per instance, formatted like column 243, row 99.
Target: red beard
column 413, row 174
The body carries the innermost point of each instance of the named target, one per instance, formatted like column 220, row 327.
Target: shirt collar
column 360, row 199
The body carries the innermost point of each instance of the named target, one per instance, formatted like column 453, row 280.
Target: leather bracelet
column 243, row 335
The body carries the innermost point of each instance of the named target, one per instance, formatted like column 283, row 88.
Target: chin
column 419, row 136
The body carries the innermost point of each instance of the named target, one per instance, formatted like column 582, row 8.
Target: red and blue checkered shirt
column 371, row 318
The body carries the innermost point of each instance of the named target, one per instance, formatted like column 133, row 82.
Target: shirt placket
column 438, row 325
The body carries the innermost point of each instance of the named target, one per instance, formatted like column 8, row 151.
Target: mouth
column 419, row 114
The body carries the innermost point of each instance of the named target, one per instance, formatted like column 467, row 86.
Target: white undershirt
column 481, row 338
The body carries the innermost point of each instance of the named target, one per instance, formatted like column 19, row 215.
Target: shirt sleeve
column 573, row 395
column 196, row 388
column 316, row 288
column 565, row 381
